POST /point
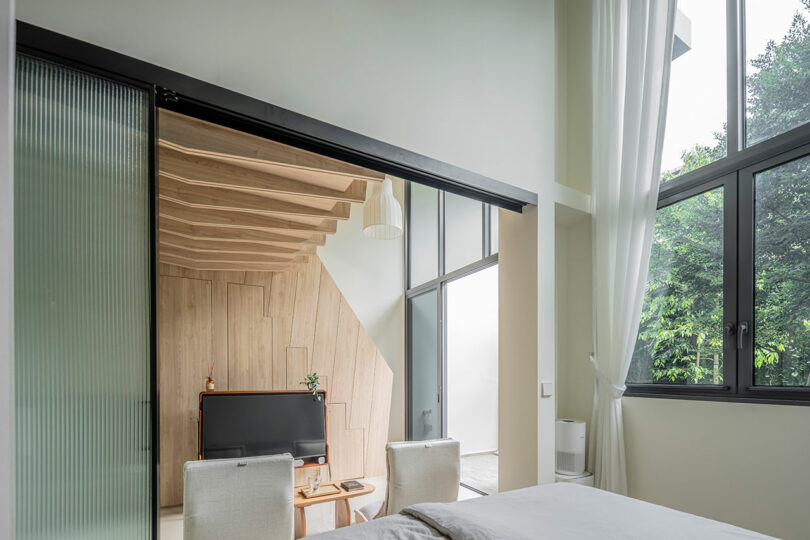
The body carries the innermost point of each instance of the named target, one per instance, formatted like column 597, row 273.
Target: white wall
column 370, row 274
column 468, row 82
column 741, row 463
column 472, row 361
column 446, row 79
column 574, row 322
column 6, row 269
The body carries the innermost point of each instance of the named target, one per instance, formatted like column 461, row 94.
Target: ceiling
column 229, row 200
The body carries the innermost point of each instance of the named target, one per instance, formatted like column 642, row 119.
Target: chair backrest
column 243, row 498
column 421, row 471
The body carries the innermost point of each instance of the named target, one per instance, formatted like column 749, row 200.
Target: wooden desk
column 343, row 514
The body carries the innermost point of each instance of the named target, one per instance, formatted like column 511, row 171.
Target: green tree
column 680, row 336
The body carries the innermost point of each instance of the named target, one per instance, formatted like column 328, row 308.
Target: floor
column 480, row 471
column 320, row 517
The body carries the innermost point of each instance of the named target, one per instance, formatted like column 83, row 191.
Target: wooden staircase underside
column 232, row 201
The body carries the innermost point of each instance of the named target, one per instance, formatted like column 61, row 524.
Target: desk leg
column 300, row 523
column 343, row 514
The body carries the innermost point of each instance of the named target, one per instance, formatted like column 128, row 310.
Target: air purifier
column 570, row 435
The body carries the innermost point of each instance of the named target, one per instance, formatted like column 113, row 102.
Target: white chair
column 245, row 498
column 418, row 472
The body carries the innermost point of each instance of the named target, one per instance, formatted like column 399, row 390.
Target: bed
column 555, row 511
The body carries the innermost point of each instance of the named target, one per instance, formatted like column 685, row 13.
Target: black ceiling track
column 187, row 95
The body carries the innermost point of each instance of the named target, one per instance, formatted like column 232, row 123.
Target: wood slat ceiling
column 229, row 200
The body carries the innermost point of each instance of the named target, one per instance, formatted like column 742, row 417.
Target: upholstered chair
column 418, row 471
column 245, row 498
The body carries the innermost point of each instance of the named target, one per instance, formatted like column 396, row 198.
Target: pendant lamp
column 382, row 214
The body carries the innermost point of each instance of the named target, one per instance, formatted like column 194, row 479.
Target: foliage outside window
column 681, row 339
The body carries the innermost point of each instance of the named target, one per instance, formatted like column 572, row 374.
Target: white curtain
column 632, row 50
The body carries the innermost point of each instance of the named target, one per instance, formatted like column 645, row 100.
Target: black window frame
column 736, row 173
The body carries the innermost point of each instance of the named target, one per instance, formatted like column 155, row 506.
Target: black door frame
column 187, row 95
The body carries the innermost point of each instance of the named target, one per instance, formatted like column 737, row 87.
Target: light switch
column 546, row 389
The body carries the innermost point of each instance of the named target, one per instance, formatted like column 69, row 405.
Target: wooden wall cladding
column 266, row 331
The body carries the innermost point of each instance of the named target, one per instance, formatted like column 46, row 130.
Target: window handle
column 742, row 330
column 729, row 330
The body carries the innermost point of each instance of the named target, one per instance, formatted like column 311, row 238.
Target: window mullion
column 441, row 231
column 486, row 232
column 731, row 281
column 734, row 78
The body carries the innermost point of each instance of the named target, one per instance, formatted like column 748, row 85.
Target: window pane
column 463, row 231
column 423, row 231
column 680, row 338
column 493, row 227
column 81, row 306
column 777, row 65
column 425, row 415
column 472, row 375
column 782, row 275
column 696, row 112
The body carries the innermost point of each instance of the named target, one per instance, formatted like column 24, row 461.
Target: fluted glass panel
column 82, row 299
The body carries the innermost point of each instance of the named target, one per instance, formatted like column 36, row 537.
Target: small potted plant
column 311, row 382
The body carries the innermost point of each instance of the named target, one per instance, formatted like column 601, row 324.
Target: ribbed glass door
column 82, row 306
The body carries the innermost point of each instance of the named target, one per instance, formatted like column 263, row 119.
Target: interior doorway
column 472, row 376
column 452, row 328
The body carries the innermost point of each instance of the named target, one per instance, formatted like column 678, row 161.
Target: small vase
column 209, row 384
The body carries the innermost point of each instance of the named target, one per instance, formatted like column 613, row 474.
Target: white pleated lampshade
column 382, row 214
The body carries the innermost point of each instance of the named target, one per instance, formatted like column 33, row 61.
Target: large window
column 697, row 113
column 726, row 312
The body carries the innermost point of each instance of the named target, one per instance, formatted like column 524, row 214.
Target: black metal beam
column 207, row 101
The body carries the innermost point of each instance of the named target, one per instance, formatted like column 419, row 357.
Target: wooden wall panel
column 345, row 445
column 326, row 327
column 360, row 403
column 250, row 335
column 306, row 306
column 345, row 355
column 281, row 301
column 185, row 351
column 219, row 336
column 378, row 418
column 296, row 367
column 266, row 331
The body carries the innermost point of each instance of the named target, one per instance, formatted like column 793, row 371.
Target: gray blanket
column 396, row 527
column 555, row 511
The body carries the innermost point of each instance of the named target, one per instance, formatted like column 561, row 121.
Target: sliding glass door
column 82, row 306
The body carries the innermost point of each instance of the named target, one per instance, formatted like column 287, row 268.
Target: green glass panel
column 425, row 414
column 82, row 306
column 463, row 230
column 423, row 232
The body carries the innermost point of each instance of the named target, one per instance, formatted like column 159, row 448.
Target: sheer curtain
column 632, row 48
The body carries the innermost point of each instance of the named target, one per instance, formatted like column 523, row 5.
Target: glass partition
column 425, row 414
column 423, row 234
column 463, row 231
column 82, row 306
